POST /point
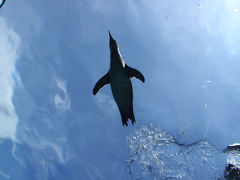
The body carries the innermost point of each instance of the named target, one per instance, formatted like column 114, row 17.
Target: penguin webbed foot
column 125, row 123
column 124, row 118
column 132, row 117
column 133, row 121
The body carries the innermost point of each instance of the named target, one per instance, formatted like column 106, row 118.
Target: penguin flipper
column 101, row 82
column 2, row 3
column 134, row 73
column 124, row 118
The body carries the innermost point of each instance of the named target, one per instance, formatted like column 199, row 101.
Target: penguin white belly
column 122, row 90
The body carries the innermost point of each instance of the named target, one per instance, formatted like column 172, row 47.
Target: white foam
column 57, row 149
column 236, row 10
column 62, row 102
column 107, row 102
column 9, row 43
column 4, row 175
column 235, row 144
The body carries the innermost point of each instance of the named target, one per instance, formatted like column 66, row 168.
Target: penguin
column 2, row 2
column 119, row 77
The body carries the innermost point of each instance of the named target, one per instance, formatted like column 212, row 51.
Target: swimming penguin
column 2, row 2
column 118, row 77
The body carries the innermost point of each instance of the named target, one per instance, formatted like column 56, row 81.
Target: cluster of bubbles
column 155, row 154
column 232, row 170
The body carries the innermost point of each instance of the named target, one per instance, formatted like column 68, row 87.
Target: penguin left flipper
column 134, row 73
column 101, row 82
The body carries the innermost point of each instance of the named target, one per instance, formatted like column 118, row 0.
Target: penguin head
column 112, row 43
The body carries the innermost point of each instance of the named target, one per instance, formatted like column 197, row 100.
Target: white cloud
column 9, row 43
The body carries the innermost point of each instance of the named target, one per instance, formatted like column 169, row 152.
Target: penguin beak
column 110, row 36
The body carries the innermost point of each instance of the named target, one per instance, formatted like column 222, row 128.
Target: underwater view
column 115, row 90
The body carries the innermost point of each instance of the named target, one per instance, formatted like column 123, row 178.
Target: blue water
column 52, row 54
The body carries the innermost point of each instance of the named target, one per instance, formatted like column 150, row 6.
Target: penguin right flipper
column 134, row 73
column 101, row 82
column 2, row 3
